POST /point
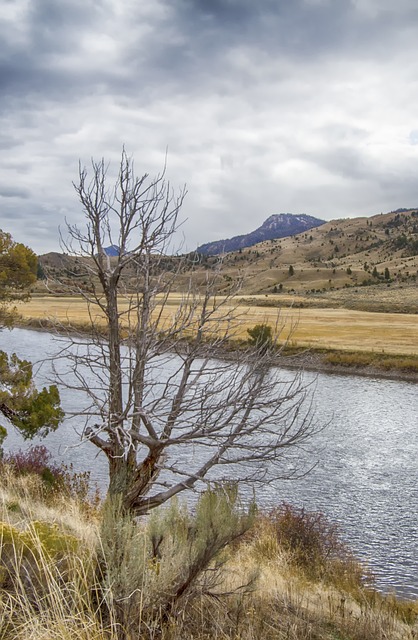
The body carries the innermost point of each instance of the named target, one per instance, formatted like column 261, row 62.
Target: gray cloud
column 13, row 192
column 304, row 106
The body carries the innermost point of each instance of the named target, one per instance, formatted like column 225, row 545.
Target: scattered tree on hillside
column 163, row 406
column 30, row 411
column 291, row 270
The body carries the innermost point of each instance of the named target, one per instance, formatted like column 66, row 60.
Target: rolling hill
column 369, row 262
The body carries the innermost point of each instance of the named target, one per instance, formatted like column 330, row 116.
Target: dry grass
column 408, row 364
column 47, row 558
column 284, row 603
column 342, row 329
column 22, row 501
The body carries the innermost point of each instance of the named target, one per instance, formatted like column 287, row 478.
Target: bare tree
column 164, row 407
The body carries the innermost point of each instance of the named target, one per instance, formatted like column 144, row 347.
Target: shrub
column 36, row 460
column 315, row 546
column 306, row 534
column 151, row 572
column 55, row 480
column 261, row 336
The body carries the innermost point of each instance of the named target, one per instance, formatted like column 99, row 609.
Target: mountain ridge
column 278, row 225
column 342, row 257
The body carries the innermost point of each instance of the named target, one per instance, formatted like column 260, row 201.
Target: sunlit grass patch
column 342, row 329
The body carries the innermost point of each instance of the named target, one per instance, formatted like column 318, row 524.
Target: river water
column 366, row 473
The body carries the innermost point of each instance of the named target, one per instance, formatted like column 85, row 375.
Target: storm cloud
column 305, row 106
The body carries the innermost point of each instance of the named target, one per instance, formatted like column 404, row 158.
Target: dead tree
column 165, row 407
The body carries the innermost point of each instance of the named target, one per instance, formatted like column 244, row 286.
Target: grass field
column 343, row 329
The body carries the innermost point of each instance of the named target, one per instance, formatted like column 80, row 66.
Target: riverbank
column 353, row 363
column 362, row 474
column 332, row 361
column 285, row 575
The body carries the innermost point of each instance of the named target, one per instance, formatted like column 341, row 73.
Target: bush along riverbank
column 218, row 571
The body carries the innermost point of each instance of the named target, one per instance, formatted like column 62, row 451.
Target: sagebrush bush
column 152, row 571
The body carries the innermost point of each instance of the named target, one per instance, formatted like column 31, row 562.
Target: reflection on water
column 365, row 478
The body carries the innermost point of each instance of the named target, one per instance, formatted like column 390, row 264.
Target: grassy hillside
column 326, row 281
column 341, row 253
column 376, row 257
column 289, row 577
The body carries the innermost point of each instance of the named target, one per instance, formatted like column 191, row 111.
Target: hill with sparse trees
column 366, row 263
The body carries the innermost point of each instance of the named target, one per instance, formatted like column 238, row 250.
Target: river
column 366, row 473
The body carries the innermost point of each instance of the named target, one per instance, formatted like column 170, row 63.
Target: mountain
column 279, row 225
column 112, row 251
column 352, row 258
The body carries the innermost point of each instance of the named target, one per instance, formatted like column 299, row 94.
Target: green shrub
column 152, row 571
column 261, row 336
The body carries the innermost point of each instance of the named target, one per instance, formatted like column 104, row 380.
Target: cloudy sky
column 265, row 106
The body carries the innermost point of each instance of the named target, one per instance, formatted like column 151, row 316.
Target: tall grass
column 217, row 573
column 47, row 567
